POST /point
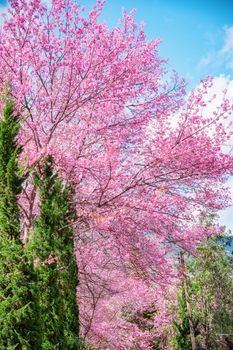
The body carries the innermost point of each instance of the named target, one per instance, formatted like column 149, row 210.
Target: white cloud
column 228, row 44
column 226, row 216
column 221, row 83
column 226, row 53
column 221, row 57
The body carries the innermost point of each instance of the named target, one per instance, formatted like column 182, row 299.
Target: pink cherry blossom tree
column 147, row 163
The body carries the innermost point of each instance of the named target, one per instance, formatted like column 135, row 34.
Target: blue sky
column 193, row 32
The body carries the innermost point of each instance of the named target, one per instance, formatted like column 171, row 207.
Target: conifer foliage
column 18, row 301
column 54, row 261
column 182, row 338
column 10, row 179
column 38, row 307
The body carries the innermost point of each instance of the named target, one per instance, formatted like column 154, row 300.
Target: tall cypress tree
column 10, row 179
column 53, row 249
column 18, row 306
column 182, row 337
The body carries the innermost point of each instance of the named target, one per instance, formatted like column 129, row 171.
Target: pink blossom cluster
column 147, row 164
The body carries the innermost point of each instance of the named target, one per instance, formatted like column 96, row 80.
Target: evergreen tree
column 52, row 246
column 182, row 338
column 10, row 179
column 211, row 289
column 18, row 307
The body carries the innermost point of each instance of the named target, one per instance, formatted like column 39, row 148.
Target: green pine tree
column 10, row 179
column 53, row 248
column 182, row 337
column 18, row 295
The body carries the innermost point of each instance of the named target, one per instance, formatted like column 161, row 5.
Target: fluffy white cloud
column 223, row 56
column 226, row 53
column 220, row 84
column 226, row 216
column 228, row 44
